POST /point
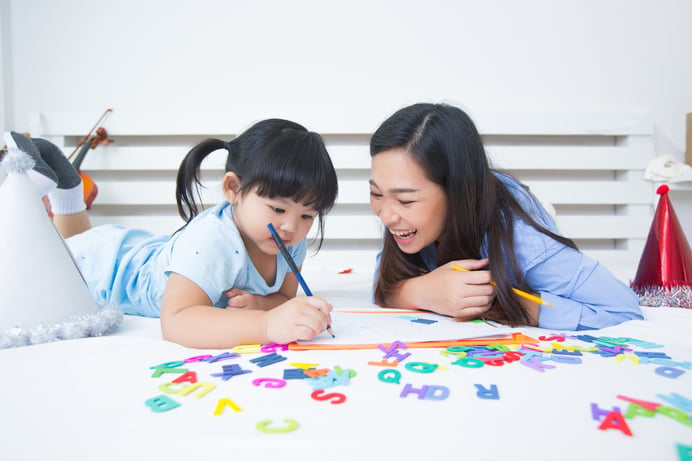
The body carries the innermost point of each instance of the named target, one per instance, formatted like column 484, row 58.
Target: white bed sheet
column 85, row 399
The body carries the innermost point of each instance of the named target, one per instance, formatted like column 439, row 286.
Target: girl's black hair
column 276, row 158
column 444, row 141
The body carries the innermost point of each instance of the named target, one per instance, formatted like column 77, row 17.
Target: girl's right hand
column 300, row 318
column 463, row 295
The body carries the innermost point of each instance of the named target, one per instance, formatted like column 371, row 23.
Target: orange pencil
column 523, row 294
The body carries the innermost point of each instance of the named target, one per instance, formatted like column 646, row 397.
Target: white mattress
column 86, row 399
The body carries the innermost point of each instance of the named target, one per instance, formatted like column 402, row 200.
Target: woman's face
column 413, row 208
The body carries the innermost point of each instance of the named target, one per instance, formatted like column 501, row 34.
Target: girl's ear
column 231, row 186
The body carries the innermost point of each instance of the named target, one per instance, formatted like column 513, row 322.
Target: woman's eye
column 375, row 195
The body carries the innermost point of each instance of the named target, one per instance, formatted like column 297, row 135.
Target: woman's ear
column 231, row 186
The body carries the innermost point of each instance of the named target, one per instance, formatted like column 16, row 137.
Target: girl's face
column 252, row 213
column 413, row 208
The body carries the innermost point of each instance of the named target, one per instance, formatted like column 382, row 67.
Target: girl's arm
column 189, row 318
column 464, row 295
column 241, row 299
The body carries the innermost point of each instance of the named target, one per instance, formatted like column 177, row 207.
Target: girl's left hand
column 241, row 299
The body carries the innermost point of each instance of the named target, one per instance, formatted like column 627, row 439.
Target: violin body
column 90, row 189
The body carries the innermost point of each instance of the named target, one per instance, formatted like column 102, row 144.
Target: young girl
column 442, row 205
column 220, row 280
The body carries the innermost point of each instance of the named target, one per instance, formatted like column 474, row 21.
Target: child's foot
column 68, row 197
column 67, row 174
column 42, row 175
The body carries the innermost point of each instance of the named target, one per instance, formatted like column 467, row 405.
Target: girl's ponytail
column 188, row 179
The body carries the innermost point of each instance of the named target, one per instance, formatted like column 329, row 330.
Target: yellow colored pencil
column 519, row 292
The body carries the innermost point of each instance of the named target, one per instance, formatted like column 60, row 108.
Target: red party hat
column 664, row 275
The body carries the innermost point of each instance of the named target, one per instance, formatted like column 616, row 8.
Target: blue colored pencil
column 293, row 266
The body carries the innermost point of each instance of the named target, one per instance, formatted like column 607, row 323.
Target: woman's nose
column 388, row 214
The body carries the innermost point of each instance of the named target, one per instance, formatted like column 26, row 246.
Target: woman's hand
column 463, row 295
column 300, row 318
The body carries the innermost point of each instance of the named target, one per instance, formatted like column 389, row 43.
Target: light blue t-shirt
column 130, row 267
column 583, row 293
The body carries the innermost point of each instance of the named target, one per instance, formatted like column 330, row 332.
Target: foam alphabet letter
column 271, row 383
column 615, row 420
column 436, row 392
column 421, row 367
column 265, row 426
column 336, row 397
column 409, row 389
column 188, row 377
column 684, row 452
column 161, row 403
column 223, row 403
column 677, row 400
column 389, row 376
column 597, row 412
column 491, row 393
column 669, row 372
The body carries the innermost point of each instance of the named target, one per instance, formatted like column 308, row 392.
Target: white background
column 351, row 60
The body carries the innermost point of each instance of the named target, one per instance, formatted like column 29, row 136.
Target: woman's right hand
column 300, row 318
column 463, row 295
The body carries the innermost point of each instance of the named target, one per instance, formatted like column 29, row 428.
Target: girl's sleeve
column 298, row 252
column 583, row 293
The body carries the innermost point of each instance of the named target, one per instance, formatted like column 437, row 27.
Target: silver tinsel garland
column 102, row 322
column 656, row 296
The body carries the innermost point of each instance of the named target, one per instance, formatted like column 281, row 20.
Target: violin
column 95, row 137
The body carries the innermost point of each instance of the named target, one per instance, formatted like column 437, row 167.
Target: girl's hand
column 300, row 318
column 241, row 299
column 463, row 295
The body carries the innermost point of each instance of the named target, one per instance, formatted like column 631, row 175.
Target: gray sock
column 42, row 174
column 66, row 173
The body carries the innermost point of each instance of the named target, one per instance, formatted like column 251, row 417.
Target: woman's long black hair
column 274, row 157
column 444, row 141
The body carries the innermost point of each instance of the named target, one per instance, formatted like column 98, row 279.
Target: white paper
column 384, row 326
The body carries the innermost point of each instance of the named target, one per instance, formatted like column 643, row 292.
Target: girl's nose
column 288, row 225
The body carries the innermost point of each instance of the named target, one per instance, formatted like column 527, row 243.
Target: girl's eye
column 406, row 202
column 278, row 210
column 308, row 217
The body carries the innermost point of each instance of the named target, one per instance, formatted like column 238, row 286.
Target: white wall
column 316, row 60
